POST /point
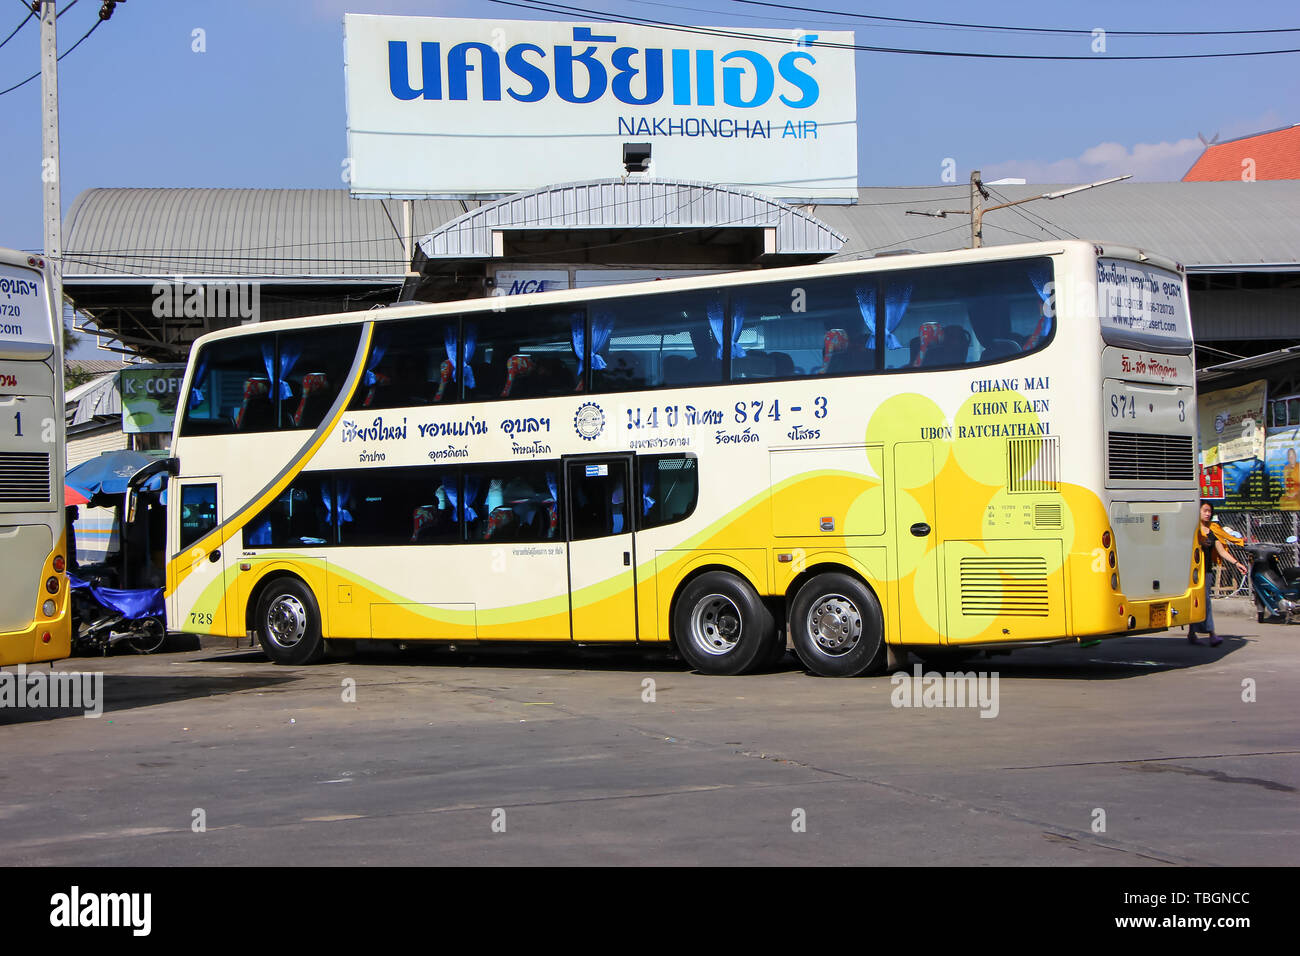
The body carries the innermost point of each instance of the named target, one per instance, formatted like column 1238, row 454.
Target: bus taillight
column 58, row 563
column 52, row 585
column 45, row 638
column 1105, row 540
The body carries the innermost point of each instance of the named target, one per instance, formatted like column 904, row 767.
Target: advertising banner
column 1232, row 424
column 149, row 397
column 1212, row 482
column 26, row 329
column 459, row 108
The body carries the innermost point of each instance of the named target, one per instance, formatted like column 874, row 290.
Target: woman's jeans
column 1208, row 626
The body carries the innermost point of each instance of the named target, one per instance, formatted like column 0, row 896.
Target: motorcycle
column 103, row 616
column 1277, row 589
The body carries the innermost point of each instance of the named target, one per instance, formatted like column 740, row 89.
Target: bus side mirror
column 173, row 466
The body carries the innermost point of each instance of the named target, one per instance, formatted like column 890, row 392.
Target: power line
column 989, row 27
column 30, row 13
column 563, row 9
column 85, row 35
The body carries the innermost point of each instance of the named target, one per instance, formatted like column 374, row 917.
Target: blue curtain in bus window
column 471, row 339
column 340, row 500
column 897, row 297
column 471, row 495
column 616, row 509
column 290, row 352
column 376, row 356
column 602, row 327
column 260, row 535
column 552, row 506
column 449, row 489
column 1040, row 274
column 715, row 322
column 737, row 324
column 866, row 296
column 200, row 381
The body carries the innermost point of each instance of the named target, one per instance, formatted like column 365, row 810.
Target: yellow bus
column 34, row 624
column 945, row 453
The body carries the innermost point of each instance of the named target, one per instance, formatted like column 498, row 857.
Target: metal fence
column 1265, row 527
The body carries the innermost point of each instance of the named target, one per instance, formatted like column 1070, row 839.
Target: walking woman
column 1209, row 541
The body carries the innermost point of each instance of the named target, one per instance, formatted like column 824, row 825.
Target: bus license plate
column 1160, row 615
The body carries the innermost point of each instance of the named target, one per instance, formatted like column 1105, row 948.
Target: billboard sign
column 460, row 108
column 149, row 396
column 1232, row 423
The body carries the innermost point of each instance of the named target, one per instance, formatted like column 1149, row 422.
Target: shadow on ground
column 1113, row 659
column 123, row 692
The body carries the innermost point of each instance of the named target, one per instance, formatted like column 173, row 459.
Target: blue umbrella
column 108, row 474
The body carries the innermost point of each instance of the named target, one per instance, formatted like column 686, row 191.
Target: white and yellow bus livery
column 977, row 450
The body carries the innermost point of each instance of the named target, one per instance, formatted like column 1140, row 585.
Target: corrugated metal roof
column 323, row 232
column 242, row 232
column 97, row 397
column 630, row 204
column 1199, row 224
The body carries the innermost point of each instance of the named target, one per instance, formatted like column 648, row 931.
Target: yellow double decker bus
column 34, row 624
column 968, row 451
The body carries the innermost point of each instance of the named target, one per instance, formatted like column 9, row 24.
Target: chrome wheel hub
column 715, row 625
column 835, row 624
column 286, row 621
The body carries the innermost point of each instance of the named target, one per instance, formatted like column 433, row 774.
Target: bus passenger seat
column 315, row 401
column 255, row 413
column 1000, row 348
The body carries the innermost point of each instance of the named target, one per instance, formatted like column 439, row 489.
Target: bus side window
column 411, row 363
column 526, row 353
column 311, row 367
column 668, row 340
column 669, row 488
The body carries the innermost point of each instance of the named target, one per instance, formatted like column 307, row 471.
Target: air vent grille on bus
column 1016, row 587
column 1033, row 464
column 24, row 476
column 1133, row 456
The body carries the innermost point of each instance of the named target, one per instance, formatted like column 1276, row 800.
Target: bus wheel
column 721, row 627
column 288, row 623
column 837, row 626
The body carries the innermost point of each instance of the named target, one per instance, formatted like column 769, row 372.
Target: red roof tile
column 1276, row 155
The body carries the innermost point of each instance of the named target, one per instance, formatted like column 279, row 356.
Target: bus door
column 197, row 598
column 602, row 559
column 916, row 537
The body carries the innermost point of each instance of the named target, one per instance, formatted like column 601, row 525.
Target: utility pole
column 977, row 209
column 50, row 152
column 977, row 195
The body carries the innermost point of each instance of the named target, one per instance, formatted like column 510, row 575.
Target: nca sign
column 449, row 107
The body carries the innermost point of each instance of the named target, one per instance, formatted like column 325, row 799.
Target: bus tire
column 721, row 626
column 837, row 626
column 288, row 623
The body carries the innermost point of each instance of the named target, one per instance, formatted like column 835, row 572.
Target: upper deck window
column 271, row 381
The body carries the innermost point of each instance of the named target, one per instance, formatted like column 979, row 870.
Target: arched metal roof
column 623, row 204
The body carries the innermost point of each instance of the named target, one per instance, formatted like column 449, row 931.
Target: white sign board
column 1141, row 306
column 26, row 329
column 458, row 108
column 522, row 282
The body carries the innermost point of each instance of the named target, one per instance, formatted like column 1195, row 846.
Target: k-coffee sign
column 457, row 108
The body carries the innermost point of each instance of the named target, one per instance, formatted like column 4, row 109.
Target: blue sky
column 263, row 106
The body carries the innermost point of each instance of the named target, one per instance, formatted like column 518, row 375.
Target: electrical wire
column 83, row 39
column 14, row 32
column 563, row 9
column 995, row 28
